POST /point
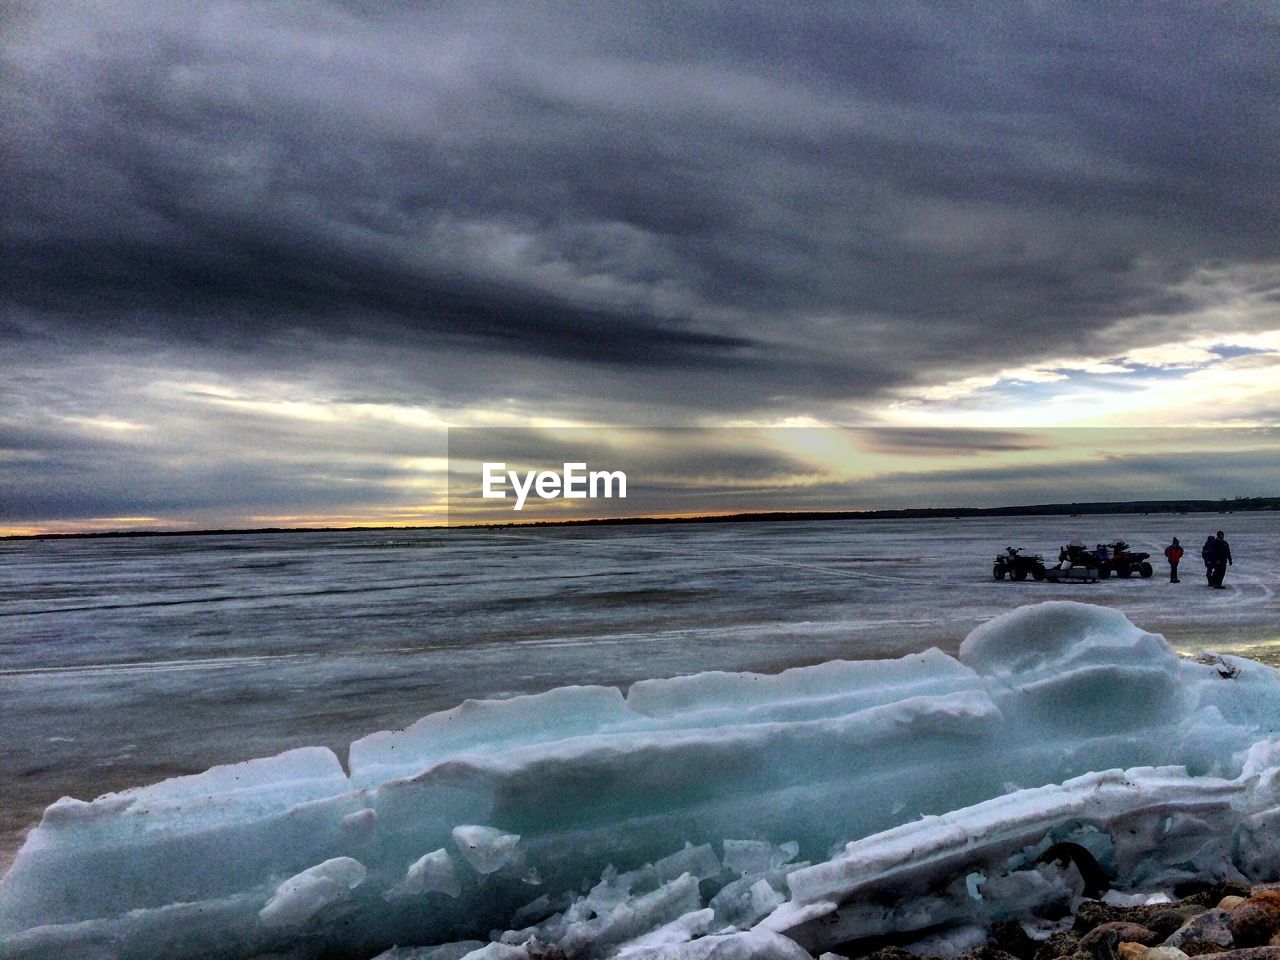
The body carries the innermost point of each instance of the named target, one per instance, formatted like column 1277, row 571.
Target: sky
column 261, row 257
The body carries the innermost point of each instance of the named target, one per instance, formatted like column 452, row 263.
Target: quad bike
column 1016, row 565
column 1106, row 559
column 1126, row 562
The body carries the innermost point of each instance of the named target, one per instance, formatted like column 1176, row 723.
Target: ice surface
column 127, row 660
column 725, row 815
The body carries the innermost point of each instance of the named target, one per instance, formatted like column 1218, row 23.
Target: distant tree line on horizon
column 1223, row 505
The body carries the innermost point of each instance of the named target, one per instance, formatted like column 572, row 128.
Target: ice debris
column 301, row 897
column 725, row 816
column 486, row 849
column 431, row 873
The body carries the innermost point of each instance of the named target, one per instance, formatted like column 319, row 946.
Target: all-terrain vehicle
column 1107, row 558
column 1126, row 562
column 1014, row 564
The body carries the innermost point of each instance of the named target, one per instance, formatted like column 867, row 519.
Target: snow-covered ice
column 725, row 815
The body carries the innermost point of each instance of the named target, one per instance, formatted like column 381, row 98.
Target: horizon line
column 1093, row 507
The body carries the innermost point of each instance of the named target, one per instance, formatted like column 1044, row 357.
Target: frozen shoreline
column 191, row 652
column 800, row 793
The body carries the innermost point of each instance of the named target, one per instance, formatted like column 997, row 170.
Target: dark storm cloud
column 914, row 185
column 248, row 292
column 932, row 442
column 27, row 440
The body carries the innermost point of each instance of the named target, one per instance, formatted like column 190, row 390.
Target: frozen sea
column 130, row 660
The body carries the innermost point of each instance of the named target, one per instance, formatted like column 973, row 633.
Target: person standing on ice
column 1221, row 559
column 1206, row 554
column 1173, row 553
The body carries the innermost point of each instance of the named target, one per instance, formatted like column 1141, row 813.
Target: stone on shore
column 1207, row 932
column 1248, row 953
column 1257, row 920
column 1170, row 919
column 1101, row 942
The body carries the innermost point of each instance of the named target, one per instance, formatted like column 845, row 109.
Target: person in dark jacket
column 1221, row 560
column 1206, row 554
column 1173, row 553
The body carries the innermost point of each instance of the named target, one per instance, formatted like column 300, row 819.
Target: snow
column 723, row 815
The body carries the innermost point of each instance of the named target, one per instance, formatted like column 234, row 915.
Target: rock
column 1253, row 925
column 1248, row 953
column 1199, row 948
column 1168, row 920
column 1101, row 942
column 1255, row 921
column 1231, row 902
column 1136, row 951
column 1094, row 913
column 1208, row 932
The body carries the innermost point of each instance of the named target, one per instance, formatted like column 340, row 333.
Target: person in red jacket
column 1173, row 553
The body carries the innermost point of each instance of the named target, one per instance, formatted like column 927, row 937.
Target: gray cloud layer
column 656, row 211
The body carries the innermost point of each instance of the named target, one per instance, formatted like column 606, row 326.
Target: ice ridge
column 727, row 815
